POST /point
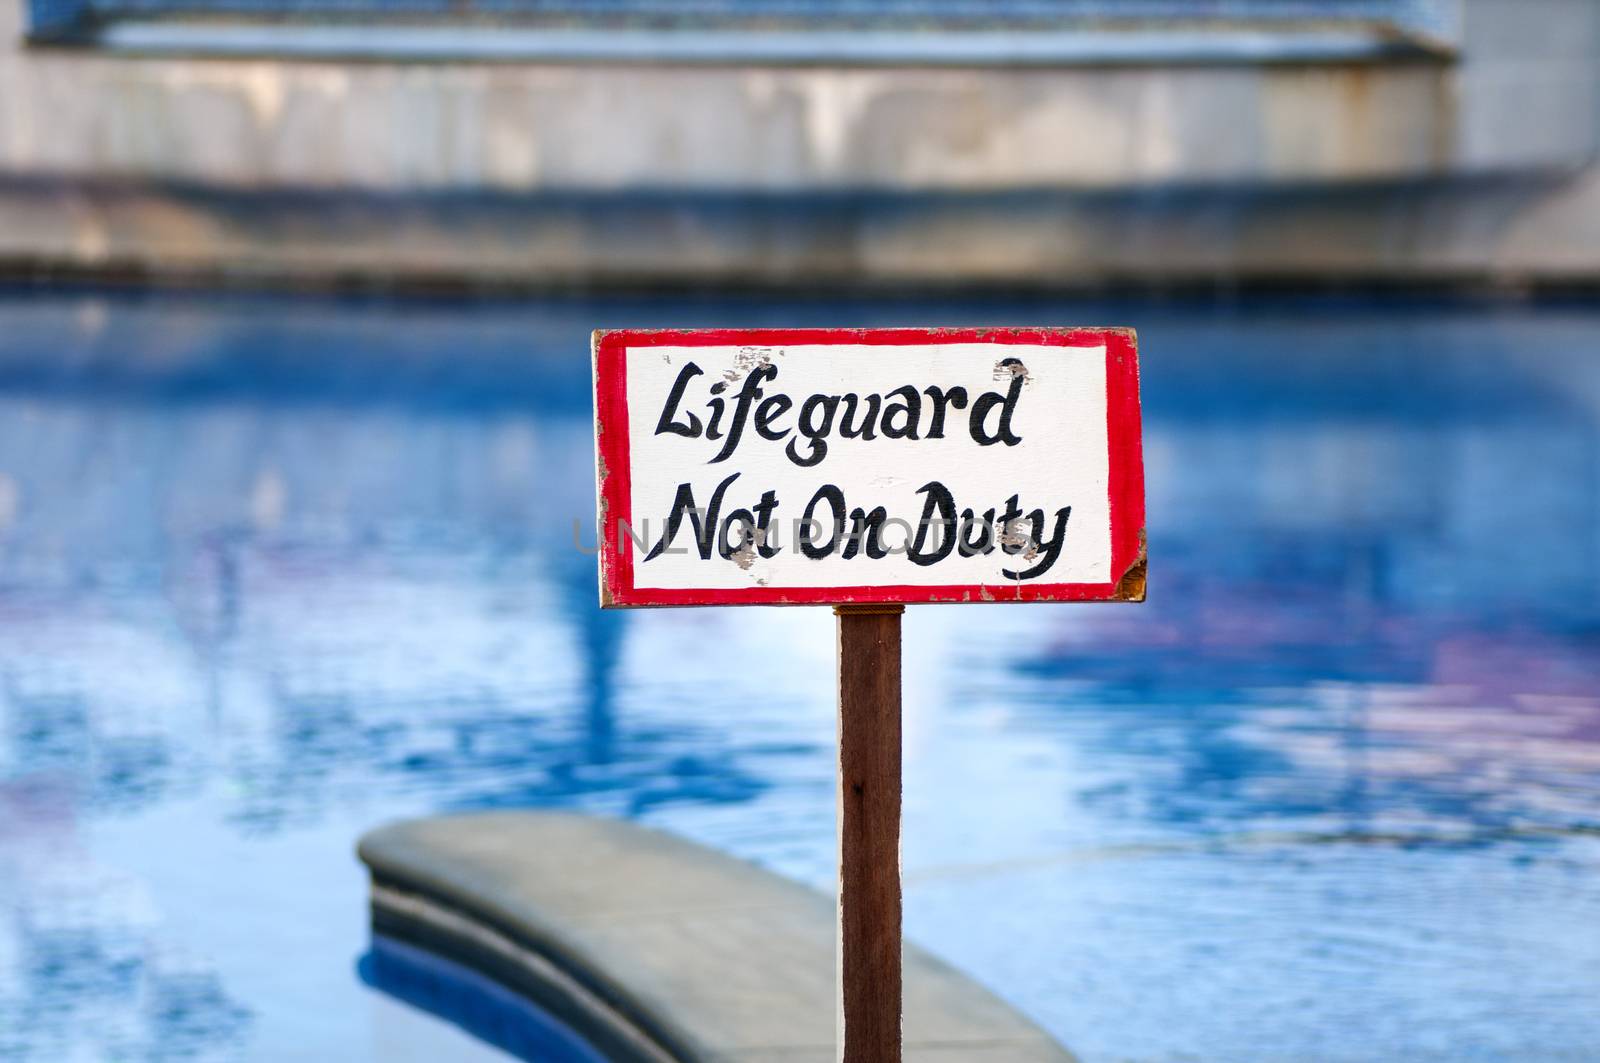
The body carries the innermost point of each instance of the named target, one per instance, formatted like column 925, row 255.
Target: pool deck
column 653, row 948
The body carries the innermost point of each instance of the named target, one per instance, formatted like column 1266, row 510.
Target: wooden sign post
column 867, row 469
column 869, row 831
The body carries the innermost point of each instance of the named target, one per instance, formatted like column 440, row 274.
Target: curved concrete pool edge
column 654, row 948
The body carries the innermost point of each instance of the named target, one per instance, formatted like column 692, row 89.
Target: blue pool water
column 275, row 571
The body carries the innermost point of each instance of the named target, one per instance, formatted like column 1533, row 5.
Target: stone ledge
column 654, row 948
column 1521, row 231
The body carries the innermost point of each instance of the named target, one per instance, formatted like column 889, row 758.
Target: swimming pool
column 273, row 571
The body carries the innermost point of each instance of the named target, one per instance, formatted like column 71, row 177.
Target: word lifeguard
column 905, row 413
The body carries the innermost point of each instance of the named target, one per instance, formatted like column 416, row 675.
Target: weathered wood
column 869, row 833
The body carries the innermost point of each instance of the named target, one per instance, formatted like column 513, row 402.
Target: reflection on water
column 272, row 572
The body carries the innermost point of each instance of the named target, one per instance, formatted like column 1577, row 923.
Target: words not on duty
column 952, row 463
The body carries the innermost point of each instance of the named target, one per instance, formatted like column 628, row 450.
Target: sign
column 807, row 466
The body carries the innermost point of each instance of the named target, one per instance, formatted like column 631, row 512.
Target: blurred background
column 295, row 434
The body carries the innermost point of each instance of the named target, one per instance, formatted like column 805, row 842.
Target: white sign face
column 876, row 465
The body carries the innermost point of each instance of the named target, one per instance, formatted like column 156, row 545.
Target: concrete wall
column 593, row 173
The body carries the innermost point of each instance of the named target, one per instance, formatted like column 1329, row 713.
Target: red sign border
column 614, row 472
